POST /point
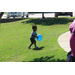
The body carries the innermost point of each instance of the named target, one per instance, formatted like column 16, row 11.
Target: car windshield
column 15, row 12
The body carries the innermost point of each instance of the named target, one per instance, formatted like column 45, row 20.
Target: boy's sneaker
column 36, row 47
column 29, row 47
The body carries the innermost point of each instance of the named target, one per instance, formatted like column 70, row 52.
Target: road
column 39, row 15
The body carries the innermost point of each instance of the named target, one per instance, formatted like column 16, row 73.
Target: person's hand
column 37, row 37
column 69, row 53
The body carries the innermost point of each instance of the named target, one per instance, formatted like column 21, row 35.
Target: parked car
column 17, row 14
column 63, row 13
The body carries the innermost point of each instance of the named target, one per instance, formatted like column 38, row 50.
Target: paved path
column 63, row 41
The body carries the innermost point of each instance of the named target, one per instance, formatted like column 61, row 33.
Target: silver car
column 17, row 14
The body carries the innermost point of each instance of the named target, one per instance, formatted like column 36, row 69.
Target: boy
column 33, row 36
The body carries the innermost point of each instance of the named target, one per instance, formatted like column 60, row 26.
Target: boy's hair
column 34, row 26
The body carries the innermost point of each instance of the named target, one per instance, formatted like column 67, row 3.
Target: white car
column 17, row 14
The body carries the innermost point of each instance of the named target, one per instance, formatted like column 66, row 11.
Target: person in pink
column 72, row 41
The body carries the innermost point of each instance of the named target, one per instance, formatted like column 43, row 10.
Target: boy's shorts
column 32, row 40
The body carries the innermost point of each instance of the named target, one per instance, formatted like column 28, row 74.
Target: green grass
column 15, row 39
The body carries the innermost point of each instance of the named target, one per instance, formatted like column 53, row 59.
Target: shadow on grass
column 40, row 48
column 11, row 20
column 47, row 59
column 50, row 21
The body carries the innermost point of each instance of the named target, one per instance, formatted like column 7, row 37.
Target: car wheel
column 22, row 16
column 7, row 17
column 56, row 15
column 71, row 15
column 27, row 16
column 13, row 17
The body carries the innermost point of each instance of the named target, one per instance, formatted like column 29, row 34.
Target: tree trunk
column 43, row 15
column 1, row 14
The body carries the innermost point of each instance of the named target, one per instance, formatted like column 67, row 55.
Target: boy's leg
column 30, row 45
column 35, row 43
column 31, row 42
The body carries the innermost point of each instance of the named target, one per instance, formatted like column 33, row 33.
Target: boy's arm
column 34, row 36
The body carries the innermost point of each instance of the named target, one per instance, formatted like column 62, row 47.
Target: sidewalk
column 63, row 41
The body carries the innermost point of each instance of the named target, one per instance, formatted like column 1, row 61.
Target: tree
column 43, row 15
column 1, row 14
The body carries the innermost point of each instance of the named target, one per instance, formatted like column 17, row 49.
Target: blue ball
column 39, row 37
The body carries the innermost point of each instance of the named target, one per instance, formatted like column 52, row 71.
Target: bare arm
column 35, row 36
column 73, row 25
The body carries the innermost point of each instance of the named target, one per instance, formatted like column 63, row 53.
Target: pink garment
column 72, row 38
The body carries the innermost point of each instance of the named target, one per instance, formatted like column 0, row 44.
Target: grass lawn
column 15, row 39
